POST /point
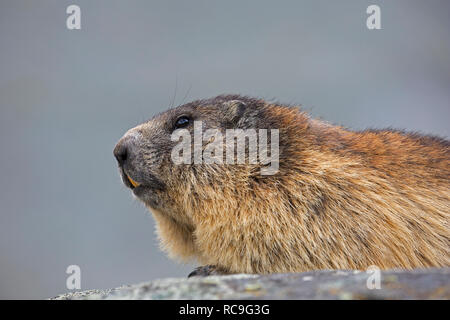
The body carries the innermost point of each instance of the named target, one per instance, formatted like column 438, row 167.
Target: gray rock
column 337, row 284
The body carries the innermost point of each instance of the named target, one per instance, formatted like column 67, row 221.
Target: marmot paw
column 205, row 271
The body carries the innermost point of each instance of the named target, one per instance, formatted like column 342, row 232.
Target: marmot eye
column 182, row 122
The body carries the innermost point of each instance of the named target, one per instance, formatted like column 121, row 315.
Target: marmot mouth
column 127, row 180
column 149, row 181
column 133, row 183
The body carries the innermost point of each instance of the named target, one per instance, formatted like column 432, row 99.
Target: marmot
column 340, row 199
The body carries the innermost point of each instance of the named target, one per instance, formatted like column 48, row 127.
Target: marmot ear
column 234, row 110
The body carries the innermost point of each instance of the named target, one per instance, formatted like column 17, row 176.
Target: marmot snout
column 339, row 199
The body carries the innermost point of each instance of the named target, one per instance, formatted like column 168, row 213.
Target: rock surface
column 339, row 284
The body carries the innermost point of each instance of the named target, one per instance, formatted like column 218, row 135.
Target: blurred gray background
column 67, row 96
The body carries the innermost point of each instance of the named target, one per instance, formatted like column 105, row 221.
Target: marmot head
column 144, row 154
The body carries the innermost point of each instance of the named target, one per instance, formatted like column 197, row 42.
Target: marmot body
column 340, row 199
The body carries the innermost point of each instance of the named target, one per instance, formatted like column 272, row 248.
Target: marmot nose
column 121, row 152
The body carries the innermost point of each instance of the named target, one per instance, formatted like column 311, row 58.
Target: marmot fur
column 341, row 199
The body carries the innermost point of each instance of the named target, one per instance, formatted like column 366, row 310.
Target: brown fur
column 341, row 199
